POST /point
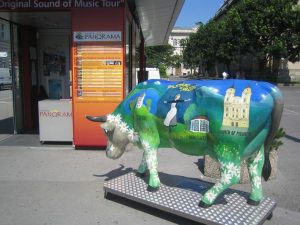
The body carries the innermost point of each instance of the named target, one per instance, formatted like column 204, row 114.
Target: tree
column 175, row 61
column 159, row 56
column 272, row 30
column 267, row 29
column 191, row 57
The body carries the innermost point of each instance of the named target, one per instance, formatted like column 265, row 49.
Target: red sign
column 58, row 4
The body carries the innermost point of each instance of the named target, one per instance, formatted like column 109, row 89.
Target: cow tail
column 276, row 116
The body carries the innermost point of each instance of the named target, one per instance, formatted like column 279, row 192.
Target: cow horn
column 101, row 119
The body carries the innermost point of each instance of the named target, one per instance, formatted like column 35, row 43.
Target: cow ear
column 107, row 126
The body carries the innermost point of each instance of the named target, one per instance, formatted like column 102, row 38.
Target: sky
column 194, row 11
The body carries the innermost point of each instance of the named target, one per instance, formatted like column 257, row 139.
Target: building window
column 175, row 42
column 2, row 31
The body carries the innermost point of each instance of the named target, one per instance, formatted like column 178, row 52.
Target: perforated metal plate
column 230, row 208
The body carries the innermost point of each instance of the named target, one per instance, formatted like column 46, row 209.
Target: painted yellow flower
column 183, row 87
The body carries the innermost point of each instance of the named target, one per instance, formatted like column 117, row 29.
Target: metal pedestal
column 230, row 208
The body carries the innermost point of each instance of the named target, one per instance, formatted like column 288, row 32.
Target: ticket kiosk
column 87, row 51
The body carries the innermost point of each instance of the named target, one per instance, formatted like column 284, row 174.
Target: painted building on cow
column 236, row 108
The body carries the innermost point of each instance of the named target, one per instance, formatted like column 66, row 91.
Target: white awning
column 157, row 19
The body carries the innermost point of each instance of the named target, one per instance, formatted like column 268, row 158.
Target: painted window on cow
column 195, row 125
column 200, row 124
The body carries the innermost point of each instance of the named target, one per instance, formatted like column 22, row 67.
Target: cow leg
column 230, row 174
column 255, row 166
column 142, row 167
column 151, row 160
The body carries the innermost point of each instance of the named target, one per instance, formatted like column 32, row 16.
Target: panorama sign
column 95, row 36
column 58, row 4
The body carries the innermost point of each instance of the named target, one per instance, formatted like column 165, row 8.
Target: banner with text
column 58, row 4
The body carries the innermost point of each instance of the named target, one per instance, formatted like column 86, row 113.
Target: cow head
column 117, row 132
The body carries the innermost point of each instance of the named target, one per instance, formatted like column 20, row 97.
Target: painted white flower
column 253, row 169
column 117, row 119
column 226, row 178
column 123, row 127
column 132, row 135
column 218, row 186
column 110, row 118
column 144, row 83
column 233, row 169
column 223, row 165
column 146, row 145
column 157, row 82
column 210, row 195
column 229, row 166
column 258, row 157
column 151, row 160
column 257, row 181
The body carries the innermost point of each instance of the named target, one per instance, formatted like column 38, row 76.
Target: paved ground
column 54, row 184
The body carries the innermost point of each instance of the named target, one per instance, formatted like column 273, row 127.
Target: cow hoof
column 252, row 202
column 141, row 175
column 152, row 189
column 270, row 216
column 204, row 205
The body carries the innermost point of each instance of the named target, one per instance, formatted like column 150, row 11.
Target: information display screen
column 98, row 73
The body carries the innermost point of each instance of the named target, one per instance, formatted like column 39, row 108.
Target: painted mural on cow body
column 230, row 120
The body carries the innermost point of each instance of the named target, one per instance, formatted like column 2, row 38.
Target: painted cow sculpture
column 230, row 120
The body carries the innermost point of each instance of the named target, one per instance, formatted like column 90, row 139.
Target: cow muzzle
column 113, row 152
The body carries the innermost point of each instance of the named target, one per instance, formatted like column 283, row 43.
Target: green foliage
column 191, row 56
column 276, row 143
column 148, row 102
column 159, row 57
column 162, row 57
column 190, row 112
column 163, row 71
column 187, row 142
column 176, row 61
column 266, row 29
column 272, row 27
column 132, row 105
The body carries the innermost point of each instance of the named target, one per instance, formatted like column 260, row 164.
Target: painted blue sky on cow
column 207, row 95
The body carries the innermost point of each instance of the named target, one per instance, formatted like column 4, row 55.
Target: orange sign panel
column 98, row 73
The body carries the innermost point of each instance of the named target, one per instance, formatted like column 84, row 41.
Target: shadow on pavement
column 295, row 139
column 115, row 173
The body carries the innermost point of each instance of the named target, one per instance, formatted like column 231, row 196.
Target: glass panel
column 6, row 99
column 128, row 52
column 17, row 83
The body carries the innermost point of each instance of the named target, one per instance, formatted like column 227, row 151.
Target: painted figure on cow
column 230, row 120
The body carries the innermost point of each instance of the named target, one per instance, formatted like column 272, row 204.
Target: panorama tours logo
column 48, row 4
column 97, row 36
column 55, row 114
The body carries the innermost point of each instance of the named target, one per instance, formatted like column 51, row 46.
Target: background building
column 178, row 35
